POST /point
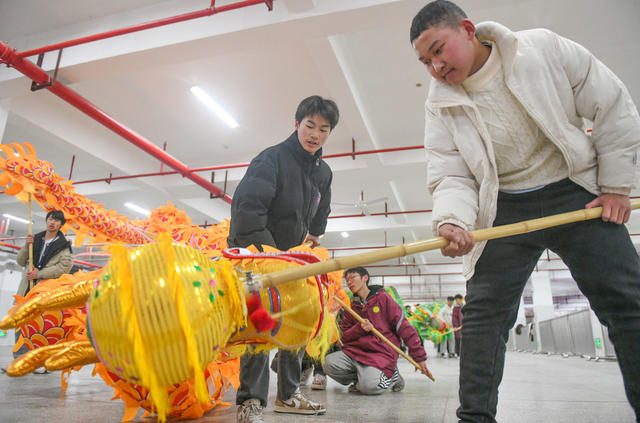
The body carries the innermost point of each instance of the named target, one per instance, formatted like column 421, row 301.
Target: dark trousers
column 603, row 262
column 254, row 375
column 23, row 349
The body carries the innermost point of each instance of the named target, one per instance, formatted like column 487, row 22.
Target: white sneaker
column 298, row 404
column 250, row 411
column 319, row 382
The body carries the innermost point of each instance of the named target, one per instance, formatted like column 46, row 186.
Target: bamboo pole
column 452, row 330
column 30, row 232
column 384, row 339
column 271, row 279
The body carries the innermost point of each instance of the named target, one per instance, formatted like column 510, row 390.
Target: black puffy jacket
column 284, row 195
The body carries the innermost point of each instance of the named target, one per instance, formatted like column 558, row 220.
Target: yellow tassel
column 235, row 291
column 130, row 321
column 177, row 288
column 319, row 346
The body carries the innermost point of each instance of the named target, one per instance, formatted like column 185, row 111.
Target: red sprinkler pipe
column 237, row 165
column 145, row 175
column 382, row 150
column 39, row 76
column 84, row 263
column 147, row 25
column 342, row 216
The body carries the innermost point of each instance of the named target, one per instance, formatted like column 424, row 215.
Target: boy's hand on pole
column 424, row 369
column 460, row 240
column 366, row 325
column 616, row 208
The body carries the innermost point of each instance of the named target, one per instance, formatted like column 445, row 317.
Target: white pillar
column 5, row 103
column 520, row 320
column 10, row 277
column 9, row 280
column 598, row 335
column 542, row 301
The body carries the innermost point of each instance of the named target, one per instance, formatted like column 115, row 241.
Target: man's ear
column 469, row 28
column 366, row 281
column 297, row 124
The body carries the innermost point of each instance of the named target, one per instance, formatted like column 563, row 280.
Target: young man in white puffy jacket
column 505, row 142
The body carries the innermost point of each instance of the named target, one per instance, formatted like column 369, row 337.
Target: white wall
column 10, row 275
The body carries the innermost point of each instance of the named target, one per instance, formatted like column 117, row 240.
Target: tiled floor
column 536, row 388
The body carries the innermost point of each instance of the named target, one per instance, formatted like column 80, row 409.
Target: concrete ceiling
column 259, row 65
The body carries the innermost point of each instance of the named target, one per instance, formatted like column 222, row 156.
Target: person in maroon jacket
column 365, row 361
column 457, row 321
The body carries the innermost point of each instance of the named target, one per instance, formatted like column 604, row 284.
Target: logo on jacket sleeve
column 376, row 309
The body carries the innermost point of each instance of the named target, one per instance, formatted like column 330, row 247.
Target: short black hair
column 450, row 298
column 56, row 215
column 458, row 296
column 316, row 105
column 439, row 12
column 360, row 271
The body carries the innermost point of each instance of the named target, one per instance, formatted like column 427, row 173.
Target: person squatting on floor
column 506, row 142
column 282, row 201
column 366, row 363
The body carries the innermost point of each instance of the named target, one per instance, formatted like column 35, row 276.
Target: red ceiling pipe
column 39, row 76
column 357, row 248
column 416, row 275
column 400, row 212
column 15, row 247
column 394, row 265
column 383, row 150
column 560, row 269
column 342, row 216
column 144, row 175
column 153, row 24
column 237, row 165
column 84, row 263
column 116, row 178
column 418, row 283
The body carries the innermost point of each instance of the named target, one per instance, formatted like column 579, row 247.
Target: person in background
column 52, row 257
column 456, row 320
column 365, row 362
column 447, row 346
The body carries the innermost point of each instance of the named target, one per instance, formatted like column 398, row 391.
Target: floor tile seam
column 565, row 401
column 444, row 412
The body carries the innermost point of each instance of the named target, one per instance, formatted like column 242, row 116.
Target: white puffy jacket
column 560, row 84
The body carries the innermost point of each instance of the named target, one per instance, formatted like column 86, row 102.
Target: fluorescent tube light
column 137, row 209
column 17, row 219
column 217, row 109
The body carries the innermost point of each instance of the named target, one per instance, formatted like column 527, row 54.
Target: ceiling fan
column 361, row 204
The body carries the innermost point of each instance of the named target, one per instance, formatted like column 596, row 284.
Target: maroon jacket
column 388, row 318
column 457, row 319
